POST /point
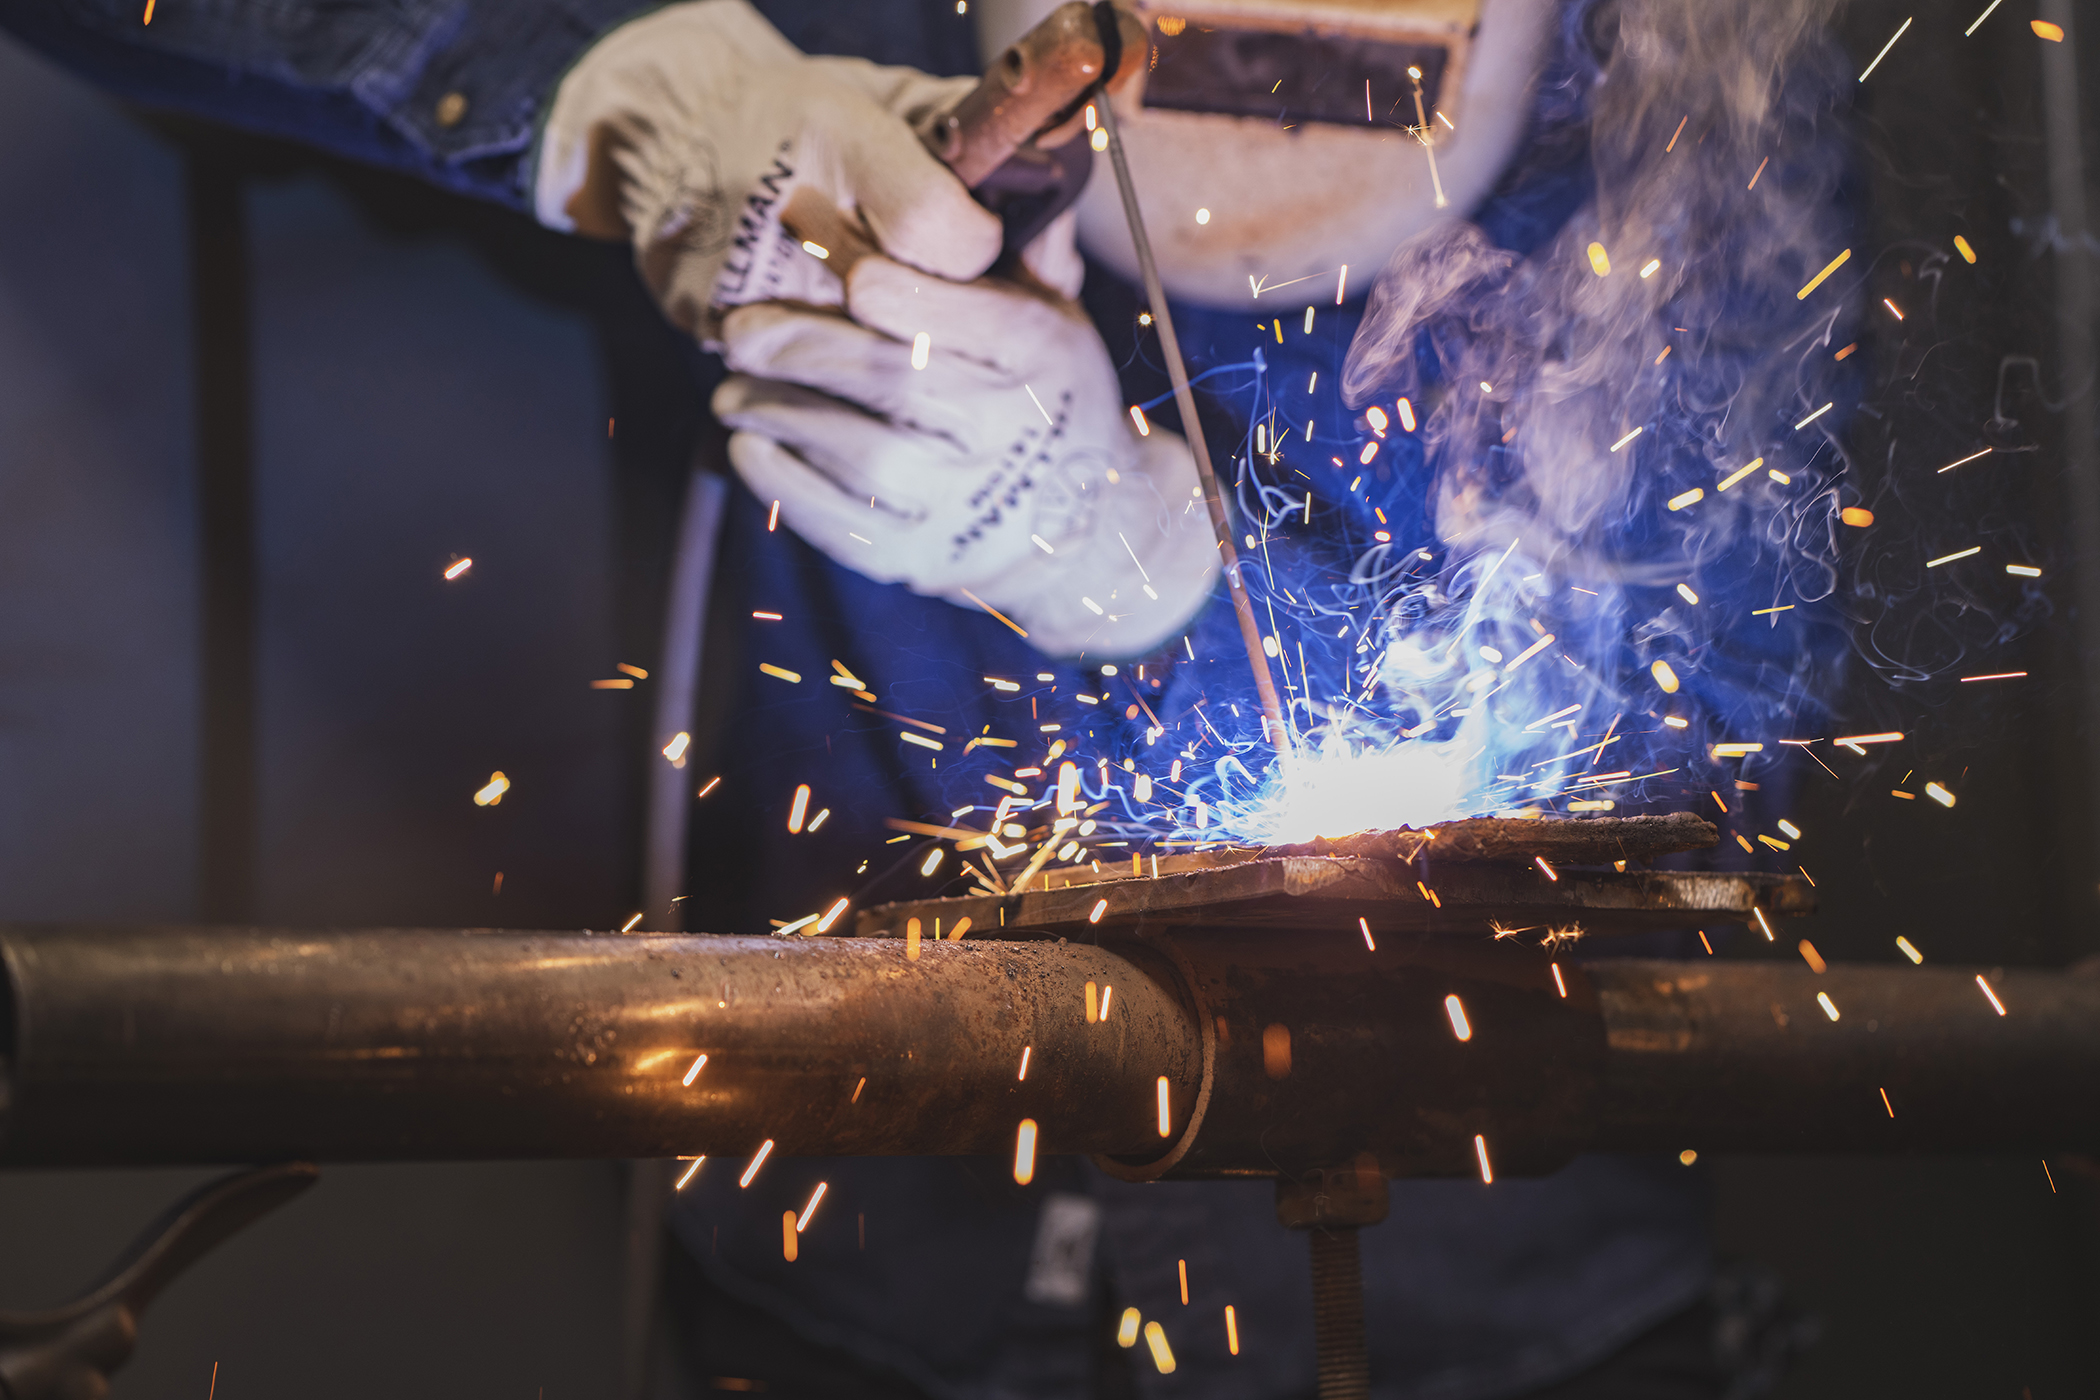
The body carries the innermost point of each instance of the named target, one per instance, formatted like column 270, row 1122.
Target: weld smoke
column 1527, row 368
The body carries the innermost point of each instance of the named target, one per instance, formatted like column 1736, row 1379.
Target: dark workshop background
column 207, row 341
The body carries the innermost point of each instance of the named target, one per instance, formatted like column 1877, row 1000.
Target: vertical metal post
column 2073, row 269
column 1331, row 1205
column 225, row 455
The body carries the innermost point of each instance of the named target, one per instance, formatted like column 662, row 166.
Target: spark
column 694, row 1072
column 1341, row 284
column 459, row 568
column 1026, row 1051
column 758, row 1160
column 1046, row 418
column 1909, row 949
column 1548, row 871
column 621, row 684
column 921, row 347
column 1829, row 1006
column 492, row 793
column 675, row 750
column 994, row 611
column 1024, row 1153
column 633, row 919
column 2054, row 33
column 1677, row 721
column 1854, row 741
column 798, row 809
column 1886, row 1104
column 831, row 916
column 1456, row 1010
column 802, row 1220
column 1203, row 216
column 766, row 616
column 1232, row 1331
column 1995, row 676
column 1127, row 1327
column 1985, row 987
column 1651, row 267
column 780, row 673
column 1106, row 993
column 2023, row 570
column 1981, row 18
column 1166, row 1119
column 1859, row 517
column 1365, row 925
column 712, row 784
column 690, row 1172
column 1763, row 612
column 773, row 520
column 921, row 740
column 1950, row 558
column 1100, row 908
column 1939, row 794
column 1885, row 48
column 815, row 250
column 1738, row 474
column 1812, row 417
column 1407, row 414
column 1813, row 958
column 1816, row 281
column 1559, row 983
column 1790, row 829
column 1691, row 497
column 1964, row 461
column 1624, row 440
column 1664, row 677
column 1677, row 133
column 1961, row 246
column 1684, row 591
column 1162, row 1354
column 1137, row 416
column 1736, row 750
column 1763, row 923
column 1600, row 261
column 1480, row 1150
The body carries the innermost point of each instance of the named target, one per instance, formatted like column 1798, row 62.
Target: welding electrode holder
column 1017, row 138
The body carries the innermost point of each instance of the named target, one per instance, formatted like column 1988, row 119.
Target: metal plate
column 1319, row 892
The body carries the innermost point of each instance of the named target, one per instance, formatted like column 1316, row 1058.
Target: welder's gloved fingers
column 990, row 322
column 825, row 351
column 686, row 131
column 993, row 458
column 884, row 468
column 1053, row 255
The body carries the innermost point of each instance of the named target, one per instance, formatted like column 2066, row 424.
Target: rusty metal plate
column 1324, row 892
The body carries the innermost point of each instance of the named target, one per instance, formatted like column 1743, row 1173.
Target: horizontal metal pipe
column 226, row 1045
column 1744, row 1057
column 1292, row 1050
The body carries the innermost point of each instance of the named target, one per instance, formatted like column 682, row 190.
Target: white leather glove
column 686, row 130
column 1006, row 467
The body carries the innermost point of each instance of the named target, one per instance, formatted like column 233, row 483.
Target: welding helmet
column 1274, row 141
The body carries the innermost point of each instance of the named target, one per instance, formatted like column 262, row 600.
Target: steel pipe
column 1281, row 1052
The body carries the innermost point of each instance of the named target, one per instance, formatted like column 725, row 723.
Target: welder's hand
column 1004, row 466
column 686, row 130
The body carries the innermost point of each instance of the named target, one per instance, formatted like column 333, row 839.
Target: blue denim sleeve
column 448, row 90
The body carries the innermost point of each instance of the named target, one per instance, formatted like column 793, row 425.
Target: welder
column 941, row 481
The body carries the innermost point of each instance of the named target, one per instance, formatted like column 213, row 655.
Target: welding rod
column 1273, row 726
